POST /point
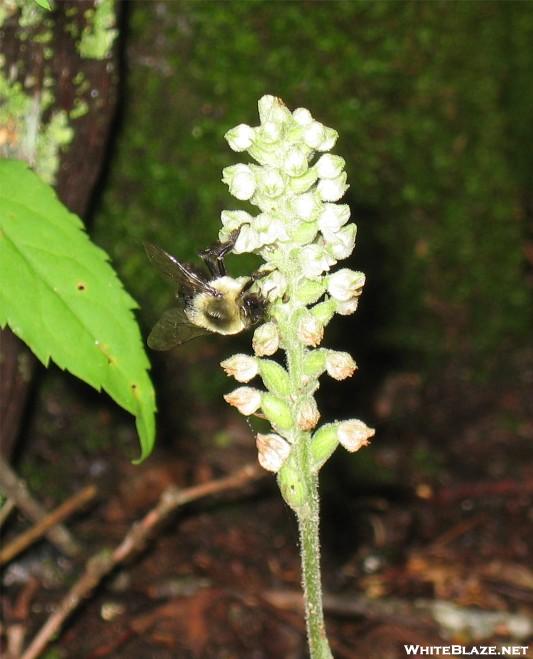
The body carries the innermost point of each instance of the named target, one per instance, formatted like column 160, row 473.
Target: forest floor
column 436, row 511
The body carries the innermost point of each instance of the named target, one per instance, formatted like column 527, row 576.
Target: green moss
column 99, row 33
column 26, row 136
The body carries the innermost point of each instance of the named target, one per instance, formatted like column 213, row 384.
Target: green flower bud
column 275, row 378
column 304, row 233
column 276, row 411
column 302, row 183
column 309, row 291
column 323, row 444
column 291, row 486
column 314, row 363
column 324, row 311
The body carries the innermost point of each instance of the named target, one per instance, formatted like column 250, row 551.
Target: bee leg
column 255, row 276
column 213, row 256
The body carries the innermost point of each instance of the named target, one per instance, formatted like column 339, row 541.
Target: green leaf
column 59, row 294
column 45, row 4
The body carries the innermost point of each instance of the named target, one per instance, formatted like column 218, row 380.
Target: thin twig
column 24, row 540
column 101, row 564
column 15, row 488
column 6, row 510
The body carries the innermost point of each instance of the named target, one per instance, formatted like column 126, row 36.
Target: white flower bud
column 233, row 219
column 328, row 166
column 273, row 286
column 269, row 229
column 295, row 161
column 330, row 139
column 314, row 134
column 333, row 217
column 272, row 108
column 332, row 189
column 339, row 365
column 247, row 240
column 273, row 450
column 310, row 330
column 340, row 243
column 345, row 284
column 299, row 184
column 246, row 399
column 270, row 181
column 240, row 138
column 314, row 260
column 354, row 434
column 265, row 341
column 270, row 132
column 302, row 116
column 241, row 181
column 242, row 367
column 307, row 414
column 348, row 307
column 306, row 206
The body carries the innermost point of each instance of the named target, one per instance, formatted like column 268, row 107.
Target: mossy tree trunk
column 58, row 84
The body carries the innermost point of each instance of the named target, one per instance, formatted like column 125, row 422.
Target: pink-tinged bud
column 354, row 434
column 265, row 341
column 348, row 307
column 310, row 330
column 339, row 365
column 241, row 181
column 332, row 189
column 240, row 138
column 273, row 450
column 307, row 414
column 245, row 399
column 242, row 367
column 345, row 284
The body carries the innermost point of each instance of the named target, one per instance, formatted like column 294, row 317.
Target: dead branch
column 15, row 488
column 135, row 539
column 450, row 618
column 24, row 540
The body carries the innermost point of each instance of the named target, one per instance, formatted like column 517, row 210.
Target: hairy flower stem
column 308, row 511
column 308, row 524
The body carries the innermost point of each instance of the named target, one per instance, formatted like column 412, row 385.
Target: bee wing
column 173, row 329
column 176, row 272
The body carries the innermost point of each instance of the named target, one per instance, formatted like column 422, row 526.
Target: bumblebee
column 216, row 303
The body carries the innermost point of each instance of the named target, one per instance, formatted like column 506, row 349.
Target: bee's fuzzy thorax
column 219, row 314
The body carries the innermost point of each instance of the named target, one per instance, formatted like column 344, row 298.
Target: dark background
column 433, row 102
